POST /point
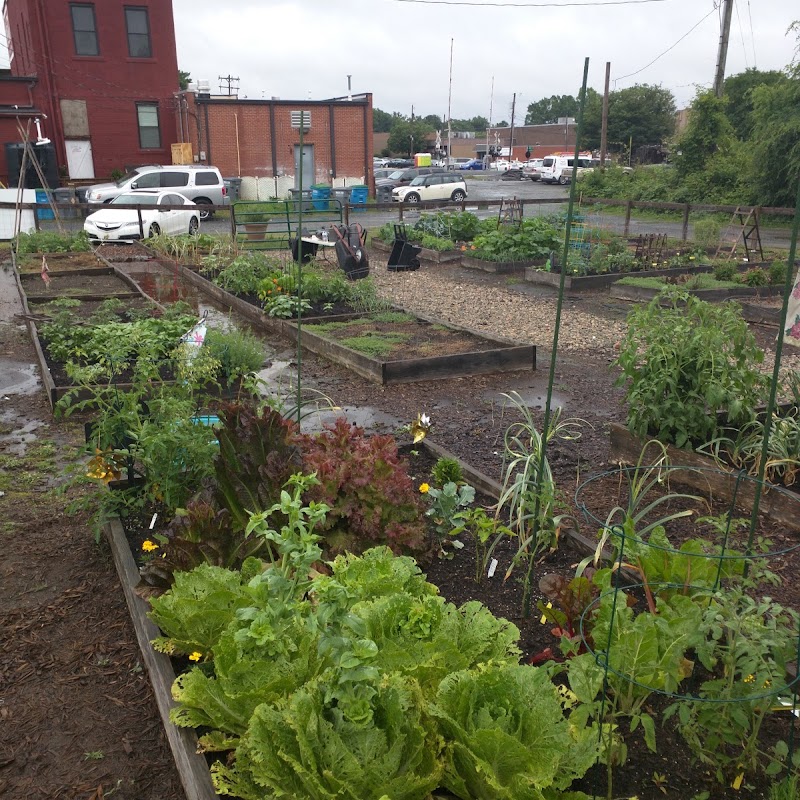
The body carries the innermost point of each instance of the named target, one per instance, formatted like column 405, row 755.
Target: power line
column 752, row 35
column 671, row 47
column 529, row 5
column 741, row 34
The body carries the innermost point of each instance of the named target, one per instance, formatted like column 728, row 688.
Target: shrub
column 777, row 273
column 754, row 277
column 239, row 353
column 706, row 232
column 725, row 271
column 368, row 489
column 685, row 362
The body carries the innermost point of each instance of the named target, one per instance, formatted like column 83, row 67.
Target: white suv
column 201, row 184
column 439, row 186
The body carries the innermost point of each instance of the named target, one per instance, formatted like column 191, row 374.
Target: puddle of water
column 532, row 397
column 16, row 442
column 17, row 377
column 371, row 419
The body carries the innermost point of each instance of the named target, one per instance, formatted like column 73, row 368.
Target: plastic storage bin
column 66, row 200
column 234, row 188
column 45, row 212
column 320, row 195
column 358, row 195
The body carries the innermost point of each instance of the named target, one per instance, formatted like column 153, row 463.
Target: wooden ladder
column 510, row 213
column 744, row 225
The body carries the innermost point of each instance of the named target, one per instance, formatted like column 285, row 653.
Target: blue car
column 473, row 163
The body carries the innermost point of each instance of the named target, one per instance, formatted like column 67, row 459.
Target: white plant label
column 153, row 521
column 492, row 568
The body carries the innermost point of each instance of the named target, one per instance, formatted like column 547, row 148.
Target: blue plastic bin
column 320, row 195
column 45, row 212
column 358, row 195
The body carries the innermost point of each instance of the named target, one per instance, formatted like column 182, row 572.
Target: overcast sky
column 400, row 49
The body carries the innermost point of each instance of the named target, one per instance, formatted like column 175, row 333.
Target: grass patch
column 22, row 473
column 701, row 281
column 375, row 344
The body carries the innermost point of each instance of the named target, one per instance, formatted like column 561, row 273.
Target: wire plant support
column 732, row 562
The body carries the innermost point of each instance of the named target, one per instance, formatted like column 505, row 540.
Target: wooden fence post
column 628, row 207
column 685, row 233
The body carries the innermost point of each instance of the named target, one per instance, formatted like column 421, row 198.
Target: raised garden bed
column 580, row 282
column 639, row 294
column 499, row 267
column 475, row 354
column 425, row 256
column 82, row 262
column 704, row 474
column 95, row 284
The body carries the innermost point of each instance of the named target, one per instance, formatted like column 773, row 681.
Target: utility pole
column 491, row 108
column 229, row 80
column 511, row 136
column 604, row 124
column 722, row 55
column 449, row 101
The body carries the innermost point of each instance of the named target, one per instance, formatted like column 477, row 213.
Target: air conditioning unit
column 203, row 85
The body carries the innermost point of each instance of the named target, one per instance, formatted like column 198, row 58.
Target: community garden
column 512, row 586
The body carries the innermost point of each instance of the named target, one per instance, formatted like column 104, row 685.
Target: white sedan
column 113, row 224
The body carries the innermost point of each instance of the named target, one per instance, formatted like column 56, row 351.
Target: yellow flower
column 148, row 546
column 195, row 656
column 424, row 488
column 691, row 258
column 749, row 678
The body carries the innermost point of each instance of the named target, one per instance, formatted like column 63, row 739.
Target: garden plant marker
column 492, row 568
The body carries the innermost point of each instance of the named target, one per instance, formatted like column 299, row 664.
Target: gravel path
column 591, row 324
column 483, row 302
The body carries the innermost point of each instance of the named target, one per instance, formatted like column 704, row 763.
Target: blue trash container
column 42, row 199
column 358, row 195
column 320, row 195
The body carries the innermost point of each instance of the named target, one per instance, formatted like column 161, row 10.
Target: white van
column 558, row 168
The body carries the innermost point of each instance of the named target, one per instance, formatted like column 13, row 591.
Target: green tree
column 408, row 137
column 775, row 141
column 642, row 112
column 738, row 89
column 434, row 120
column 708, row 133
column 382, row 121
column 548, row 110
column 184, row 79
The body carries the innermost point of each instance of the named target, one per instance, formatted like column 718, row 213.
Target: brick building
column 259, row 140
column 103, row 78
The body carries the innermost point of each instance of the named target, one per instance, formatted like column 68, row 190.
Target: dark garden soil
column 77, row 716
column 124, row 252
column 58, row 262
column 75, row 284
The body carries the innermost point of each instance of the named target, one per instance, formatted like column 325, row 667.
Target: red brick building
column 105, row 75
column 259, row 140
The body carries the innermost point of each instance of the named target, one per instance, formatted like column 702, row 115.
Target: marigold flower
column 424, row 488
column 195, row 656
column 148, row 546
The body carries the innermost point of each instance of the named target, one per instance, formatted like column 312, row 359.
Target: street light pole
column 511, row 136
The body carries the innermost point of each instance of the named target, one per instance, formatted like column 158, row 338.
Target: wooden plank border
column 703, row 473
column 192, row 767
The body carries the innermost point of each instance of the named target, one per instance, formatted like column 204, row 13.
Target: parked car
column 441, row 186
column 473, row 163
column 458, row 163
column 113, row 224
column 400, row 177
column 199, row 183
column 400, row 163
column 533, row 169
column 382, row 173
column 501, row 165
column 512, row 174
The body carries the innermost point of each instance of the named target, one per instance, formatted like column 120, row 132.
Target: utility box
column 422, row 159
column 182, row 153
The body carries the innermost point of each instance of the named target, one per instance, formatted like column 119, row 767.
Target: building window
column 149, row 134
column 84, row 29
column 138, row 26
